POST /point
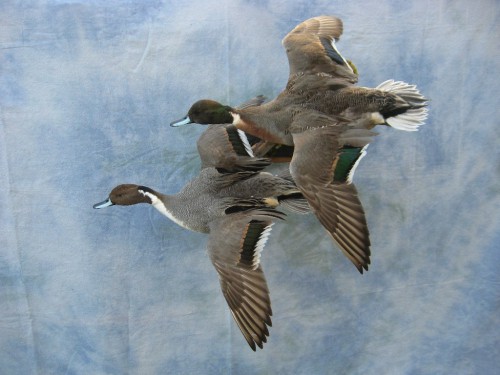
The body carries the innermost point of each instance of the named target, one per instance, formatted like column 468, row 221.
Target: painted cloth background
column 87, row 90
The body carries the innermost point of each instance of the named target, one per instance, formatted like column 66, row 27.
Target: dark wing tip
column 363, row 267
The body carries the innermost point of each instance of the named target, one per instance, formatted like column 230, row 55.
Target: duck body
column 238, row 229
column 361, row 107
column 207, row 197
column 211, row 196
column 235, row 203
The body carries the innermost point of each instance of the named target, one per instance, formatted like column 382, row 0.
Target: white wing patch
column 259, row 246
column 356, row 163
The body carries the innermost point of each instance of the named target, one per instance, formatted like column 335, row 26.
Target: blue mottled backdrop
column 87, row 89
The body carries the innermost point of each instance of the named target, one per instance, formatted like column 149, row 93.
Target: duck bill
column 183, row 121
column 103, row 204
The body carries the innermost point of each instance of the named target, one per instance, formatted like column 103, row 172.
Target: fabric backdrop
column 87, row 90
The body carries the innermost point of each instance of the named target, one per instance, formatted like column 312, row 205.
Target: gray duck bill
column 103, row 204
column 183, row 121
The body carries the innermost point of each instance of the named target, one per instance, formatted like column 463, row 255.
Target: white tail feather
column 408, row 121
column 412, row 118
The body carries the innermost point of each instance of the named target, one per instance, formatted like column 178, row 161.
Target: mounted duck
column 235, row 203
column 328, row 120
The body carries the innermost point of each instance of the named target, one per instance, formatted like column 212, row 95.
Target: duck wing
column 226, row 148
column 234, row 246
column 322, row 166
column 311, row 49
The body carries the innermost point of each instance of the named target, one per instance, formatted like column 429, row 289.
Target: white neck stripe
column 236, row 118
column 160, row 206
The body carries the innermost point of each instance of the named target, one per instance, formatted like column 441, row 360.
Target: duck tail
column 413, row 117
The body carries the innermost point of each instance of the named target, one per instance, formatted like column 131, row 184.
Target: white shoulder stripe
column 345, row 61
column 244, row 139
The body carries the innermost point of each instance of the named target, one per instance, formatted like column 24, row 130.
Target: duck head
column 126, row 195
column 206, row 112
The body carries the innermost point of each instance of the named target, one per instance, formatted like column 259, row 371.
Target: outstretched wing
column 234, row 246
column 311, row 49
column 322, row 166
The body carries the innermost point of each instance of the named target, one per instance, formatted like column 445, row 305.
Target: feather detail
column 356, row 163
column 254, row 240
column 414, row 117
column 246, row 144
